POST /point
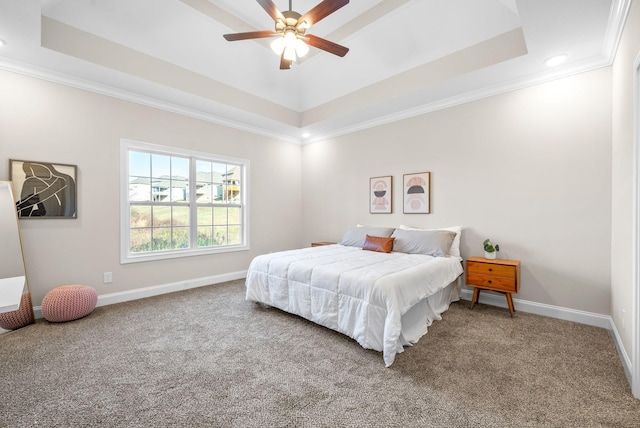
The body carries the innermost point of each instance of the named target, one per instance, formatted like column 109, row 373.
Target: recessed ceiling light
column 3, row 42
column 556, row 60
column 306, row 135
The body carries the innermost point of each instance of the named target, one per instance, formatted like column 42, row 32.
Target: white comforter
column 362, row 294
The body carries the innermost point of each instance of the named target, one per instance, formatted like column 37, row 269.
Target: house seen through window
column 182, row 203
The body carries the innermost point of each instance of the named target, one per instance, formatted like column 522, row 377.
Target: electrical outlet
column 108, row 277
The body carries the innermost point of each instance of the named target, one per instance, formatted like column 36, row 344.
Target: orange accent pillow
column 378, row 243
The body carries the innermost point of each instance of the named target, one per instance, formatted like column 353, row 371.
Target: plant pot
column 490, row 256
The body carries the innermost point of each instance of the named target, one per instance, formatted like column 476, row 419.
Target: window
column 178, row 203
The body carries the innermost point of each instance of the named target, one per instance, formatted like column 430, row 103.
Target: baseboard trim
column 156, row 290
column 624, row 358
column 558, row 312
column 582, row 317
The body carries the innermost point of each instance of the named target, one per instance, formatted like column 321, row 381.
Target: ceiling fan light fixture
column 277, row 46
column 292, row 46
column 301, row 48
column 290, row 54
column 290, row 39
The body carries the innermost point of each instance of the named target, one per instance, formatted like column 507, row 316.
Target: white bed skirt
column 416, row 321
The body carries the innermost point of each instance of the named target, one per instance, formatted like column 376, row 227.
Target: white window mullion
column 193, row 205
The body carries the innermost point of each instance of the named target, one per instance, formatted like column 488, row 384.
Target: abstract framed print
column 416, row 193
column 44, row 189
column 380, row 195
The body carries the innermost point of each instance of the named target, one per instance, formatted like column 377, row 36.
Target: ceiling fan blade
column 285, row 64
column 249, row 35
column 325, row 45
column 322, row 10
column 271, row 9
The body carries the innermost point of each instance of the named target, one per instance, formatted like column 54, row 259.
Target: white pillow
column 356, row 236
column 436, row 243
column 455, row 246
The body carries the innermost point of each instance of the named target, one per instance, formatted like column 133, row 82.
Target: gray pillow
column 356, row 236
column 435, row 243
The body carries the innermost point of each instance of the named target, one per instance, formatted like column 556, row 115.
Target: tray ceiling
column 406, row 57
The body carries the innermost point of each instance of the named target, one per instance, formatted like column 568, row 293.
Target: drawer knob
column 489, row 281
column 490, row 270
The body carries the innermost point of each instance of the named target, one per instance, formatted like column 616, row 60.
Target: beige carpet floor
column 206, row 357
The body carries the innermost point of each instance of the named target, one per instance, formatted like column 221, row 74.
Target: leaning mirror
column 16, row 309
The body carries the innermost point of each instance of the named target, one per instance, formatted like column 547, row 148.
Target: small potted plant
column 490, row 249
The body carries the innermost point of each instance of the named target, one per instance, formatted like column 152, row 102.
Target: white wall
column 43, row 121
column 622, row 257
column 530, row 169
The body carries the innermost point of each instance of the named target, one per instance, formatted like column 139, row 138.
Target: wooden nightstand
column 498, row 275
column 321, row 243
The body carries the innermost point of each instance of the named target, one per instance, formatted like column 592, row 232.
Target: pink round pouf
column 68, row 303
column 21, row 317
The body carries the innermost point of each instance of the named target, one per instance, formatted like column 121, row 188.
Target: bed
column 382, row 287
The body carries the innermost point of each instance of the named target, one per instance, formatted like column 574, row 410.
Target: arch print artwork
column 416, row 193
column 44, row 189
column 380, row 195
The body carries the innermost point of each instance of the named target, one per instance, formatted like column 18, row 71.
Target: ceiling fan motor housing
column 290, row 23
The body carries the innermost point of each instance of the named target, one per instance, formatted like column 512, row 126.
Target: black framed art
column 44, row 189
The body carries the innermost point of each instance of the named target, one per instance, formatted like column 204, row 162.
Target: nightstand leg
column 476, row 296
column 510, row 303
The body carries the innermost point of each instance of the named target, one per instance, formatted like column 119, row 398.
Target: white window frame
column 125, row 255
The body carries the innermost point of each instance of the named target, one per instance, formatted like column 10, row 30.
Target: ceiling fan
column 291, row 28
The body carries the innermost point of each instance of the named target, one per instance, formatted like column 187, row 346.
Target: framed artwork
column 380, row 195
column 416, row 193
column 44, row 189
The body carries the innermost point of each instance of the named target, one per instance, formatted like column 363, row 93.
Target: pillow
column 435, row 243
column 356, row 236
column 378, row 243
column 455, row 247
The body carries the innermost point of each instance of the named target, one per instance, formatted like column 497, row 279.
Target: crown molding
column 67, row 80
column 75, row 82
column 615, row 27
column 573, row 69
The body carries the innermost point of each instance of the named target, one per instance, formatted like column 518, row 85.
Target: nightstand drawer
column 491, row 269
column 492, row 282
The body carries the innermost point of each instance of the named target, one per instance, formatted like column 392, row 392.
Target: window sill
column 148, row 257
